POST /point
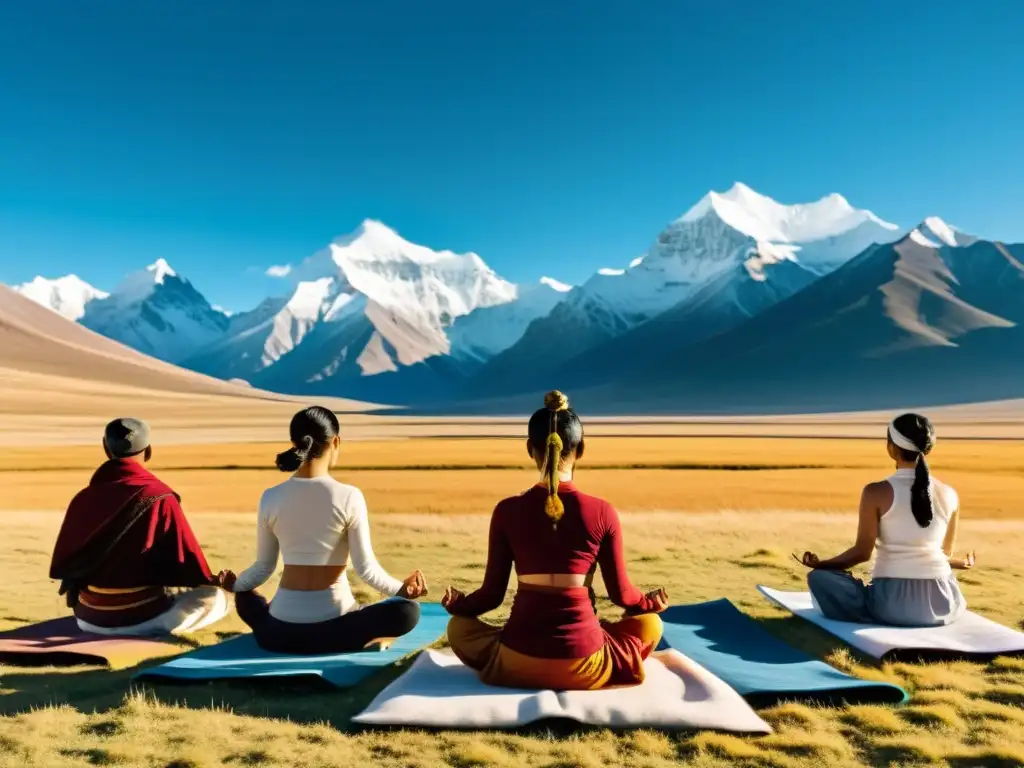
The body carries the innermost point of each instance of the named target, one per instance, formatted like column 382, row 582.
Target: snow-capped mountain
column 820, row 236
column 373, row 303
column 156, row 312
column 727, row 238
column 933, row 232
column 934, row 318
column 480, row 335
column 67, row 296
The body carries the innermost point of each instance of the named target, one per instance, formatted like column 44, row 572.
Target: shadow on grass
column 812, row 640
column 984, row 761
column 305, row 700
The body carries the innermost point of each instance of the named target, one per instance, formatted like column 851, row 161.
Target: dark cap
column 126, row 437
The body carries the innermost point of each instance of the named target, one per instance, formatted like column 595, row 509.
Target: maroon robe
column 123, row 541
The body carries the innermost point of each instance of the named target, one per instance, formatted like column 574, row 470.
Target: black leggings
column 350, row 632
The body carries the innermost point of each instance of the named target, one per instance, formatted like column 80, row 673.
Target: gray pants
column 894, row 602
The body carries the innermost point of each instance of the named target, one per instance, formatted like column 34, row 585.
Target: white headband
column 901, row 441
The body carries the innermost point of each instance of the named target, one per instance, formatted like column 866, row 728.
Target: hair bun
column 556, row 401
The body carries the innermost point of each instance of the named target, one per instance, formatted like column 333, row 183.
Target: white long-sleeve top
column 314, row 521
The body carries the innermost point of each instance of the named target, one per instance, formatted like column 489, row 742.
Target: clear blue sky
column 550, row 137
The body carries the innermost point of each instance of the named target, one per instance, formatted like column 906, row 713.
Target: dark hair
column 919, row 431
column 311, row 430
column 556, row 431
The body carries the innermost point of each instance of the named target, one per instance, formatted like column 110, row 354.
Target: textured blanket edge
column 884, row 651
column 745, row 721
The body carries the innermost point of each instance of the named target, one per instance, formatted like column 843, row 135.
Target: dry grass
column 960, row 714
column 465, row 476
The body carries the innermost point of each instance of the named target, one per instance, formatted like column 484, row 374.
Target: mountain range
column 932, row 319
column 741, row 304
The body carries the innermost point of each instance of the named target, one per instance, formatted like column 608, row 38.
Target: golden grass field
column 704, row 518
column 467, row 476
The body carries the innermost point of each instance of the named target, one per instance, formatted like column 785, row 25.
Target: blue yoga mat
column 758, row 665
column 240, row 657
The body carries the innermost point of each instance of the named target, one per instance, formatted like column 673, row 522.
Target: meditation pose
column 911, row 519
column 556, row 537
column 127, row 559
column 314, row 522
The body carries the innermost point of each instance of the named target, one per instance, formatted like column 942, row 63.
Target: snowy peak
column 767, row 220
column 374, row 303
column 158, row 312
column 138, row 285
column 555, row 285
column 940, row 229
column 374, row 236
column 160, row 270
column 67, row 296
column 374, row 240
column 436, row 286
column 933, row 232
column 309, row 298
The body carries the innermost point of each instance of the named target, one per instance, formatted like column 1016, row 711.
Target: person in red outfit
column 126, row 557
column 556, row 537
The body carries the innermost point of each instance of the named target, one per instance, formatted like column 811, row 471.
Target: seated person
column 314, row 521
column 125, row 549
column 556, row 536
column 911, row 519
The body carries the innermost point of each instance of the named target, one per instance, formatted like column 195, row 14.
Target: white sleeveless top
column 904, row 549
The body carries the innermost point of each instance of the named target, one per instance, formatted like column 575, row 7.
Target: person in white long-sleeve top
column 315, row 523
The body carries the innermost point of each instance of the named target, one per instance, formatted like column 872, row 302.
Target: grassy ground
column 960, row 714
column 429, row 503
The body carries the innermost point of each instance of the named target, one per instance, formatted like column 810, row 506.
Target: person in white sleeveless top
column 314, row 523
column 911, row 520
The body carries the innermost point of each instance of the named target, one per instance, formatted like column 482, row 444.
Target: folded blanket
column 438, row 691
column 971, row 637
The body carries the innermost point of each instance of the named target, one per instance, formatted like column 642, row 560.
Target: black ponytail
column 312, row 429
column 920, row 432
column 921, row 494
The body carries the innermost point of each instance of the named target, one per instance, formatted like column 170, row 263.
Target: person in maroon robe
column 126, row 557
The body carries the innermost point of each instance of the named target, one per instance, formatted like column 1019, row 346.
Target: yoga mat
column 972, row 637
column 438, row 691
column 242, row 658
column 759, row 666
column 60, row 643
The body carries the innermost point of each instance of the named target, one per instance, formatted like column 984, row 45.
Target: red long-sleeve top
column 553, row 624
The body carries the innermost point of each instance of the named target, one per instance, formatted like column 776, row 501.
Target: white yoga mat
column 972, row 636
column 438, row 691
